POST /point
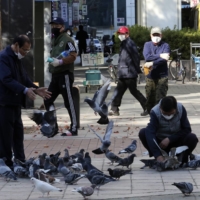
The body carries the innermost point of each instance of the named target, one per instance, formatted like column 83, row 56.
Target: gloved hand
column 164, row 56
column 55, row 62
column 148, row 64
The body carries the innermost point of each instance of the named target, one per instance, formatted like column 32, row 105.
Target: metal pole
column 0, row 28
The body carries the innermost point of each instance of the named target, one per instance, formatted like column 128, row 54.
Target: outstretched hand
column 43, row 92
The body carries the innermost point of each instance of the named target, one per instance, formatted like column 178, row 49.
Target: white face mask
column 168, row 117
column 155, row 39
column 19, row 55
column 122, row 37
column 69, row 33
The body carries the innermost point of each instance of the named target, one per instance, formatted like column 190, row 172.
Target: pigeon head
column 134, row 142
column 109, row 169
column 86, row 154
column 33, row 180
column 82, row 150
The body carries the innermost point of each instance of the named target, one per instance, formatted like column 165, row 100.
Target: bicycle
column 176, row 68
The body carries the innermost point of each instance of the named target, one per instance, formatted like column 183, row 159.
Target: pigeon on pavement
column 49, row 165
column 184, row 187
column 98, row 103
column 46, row 177
column 19, row 170
column 6, row 172
column 85, row 191
column 87, row 157
column 111, row 156
column 151, row 163
column 105, row 141
column 54, row 158
column 62, row 168
column 194, row 164
column 131, row 148
column 73, row 178
column 117, row 173
column 47, row 120
column 77, row 167
column 43, row 186
column 99, row 180
column 126, row 161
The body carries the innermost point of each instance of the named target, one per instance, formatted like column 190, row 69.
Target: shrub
column 175, row 38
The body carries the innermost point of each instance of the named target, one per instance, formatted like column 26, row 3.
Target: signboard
column 55, row 6
column 70, row 16
column 84, row 10
column 64, row 11
column 92, row 59
column 120, row 20
column 75, row 13
column 83, row 22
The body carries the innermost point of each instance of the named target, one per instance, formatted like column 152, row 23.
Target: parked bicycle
column 176, row 68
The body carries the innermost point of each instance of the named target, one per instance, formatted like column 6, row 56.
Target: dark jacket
column 81, row 36
column 13, row 79
column 154, row 125
column 152, row 53
column 129, row 60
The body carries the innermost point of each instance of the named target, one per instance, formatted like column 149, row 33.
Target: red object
column 123, row 30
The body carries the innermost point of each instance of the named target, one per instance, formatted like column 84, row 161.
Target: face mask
column 155, row 39
column 55, row 31
column 69, row 33
column 19, row 55
column 122, row 37
column 168, row 117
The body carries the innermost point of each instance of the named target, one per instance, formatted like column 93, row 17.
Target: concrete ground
column 143, row 184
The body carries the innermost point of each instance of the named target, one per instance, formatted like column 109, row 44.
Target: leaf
column 46, row 146
column 34, row 135
column 35, row 152
column 116, row 132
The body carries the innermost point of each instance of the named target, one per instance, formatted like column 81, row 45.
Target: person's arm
column 150, row 134
column 155, row 58
column 185, row 127
column 7, row 79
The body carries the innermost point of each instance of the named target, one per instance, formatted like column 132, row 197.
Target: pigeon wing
column 162, row 151
column 37, row 116
column 102, row 93
column 95, row 133
column 109, row 129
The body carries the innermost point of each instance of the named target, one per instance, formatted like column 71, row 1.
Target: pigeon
column 131, row 148
column 185, row 188
column 194, row 156
column 85, row 191
column 126, row 161
column 6, row 171
column 66, row 153
column 105, row 141
column 87, row 157
column 78, row 155
column 111, row 156
column 117, row 173
column 99, row 180
column 73, row 178
column 54, row 158
column 194, row 164
column 77, row 167
column 49, row 165
column 46, row 177
column 62, row 168
column 47, row 120
column 19, row 170
column 43, row 186
column 95, row 172
column 32, row 169
column 151, row 163
column 98, row 102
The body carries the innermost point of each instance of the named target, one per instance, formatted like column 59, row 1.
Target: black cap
column 57, row 20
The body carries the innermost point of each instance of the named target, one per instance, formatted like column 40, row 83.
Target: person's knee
column 141, row 133
column 193, row 138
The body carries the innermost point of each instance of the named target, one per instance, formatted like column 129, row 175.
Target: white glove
column 164, row 56
column 55, row 62
column 148, row 64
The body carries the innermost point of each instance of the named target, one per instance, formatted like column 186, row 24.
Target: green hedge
column 175, row 38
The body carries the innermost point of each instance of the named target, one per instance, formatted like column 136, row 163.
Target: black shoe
column 144, row 113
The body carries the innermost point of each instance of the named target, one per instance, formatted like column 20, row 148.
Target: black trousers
column 189, row 140
column 121, row 88
column 11, row 134
column 62, row 84
column 82, row 48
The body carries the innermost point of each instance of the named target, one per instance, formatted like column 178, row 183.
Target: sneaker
column 113, row 113
column 69, row 133
column 144, row 113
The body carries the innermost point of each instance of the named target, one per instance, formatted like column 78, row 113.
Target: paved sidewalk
column 143, row 184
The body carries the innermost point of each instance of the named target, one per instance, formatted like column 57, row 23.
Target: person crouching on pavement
column 170, row 127
column 128, row 69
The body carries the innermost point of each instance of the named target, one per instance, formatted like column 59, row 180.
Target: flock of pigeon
column 42, row 170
